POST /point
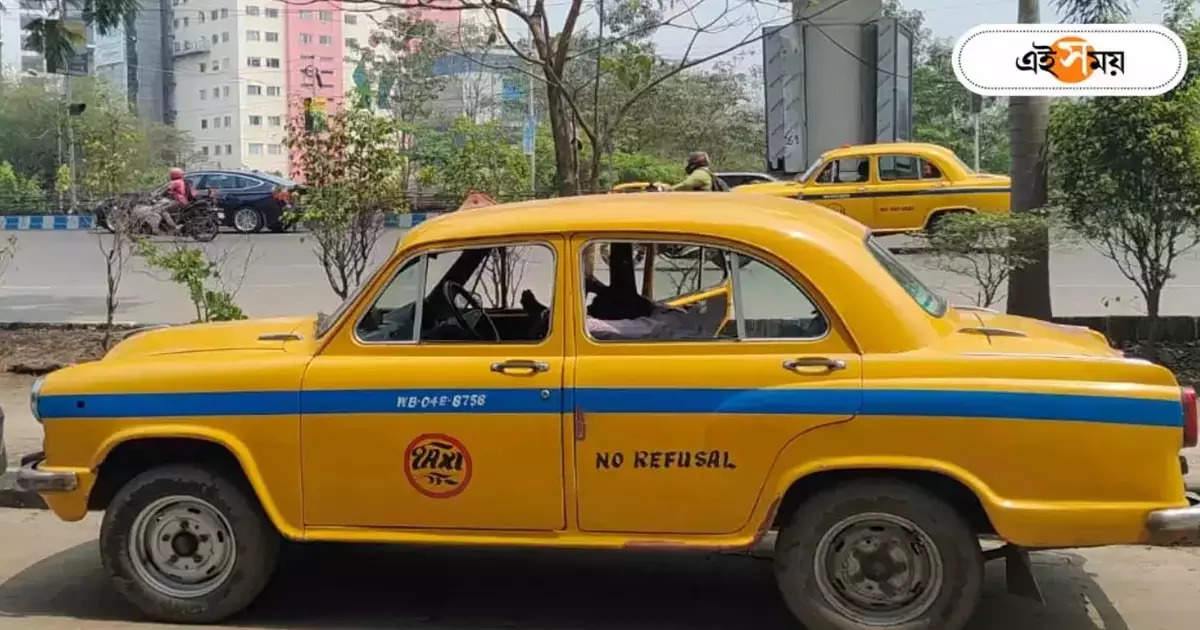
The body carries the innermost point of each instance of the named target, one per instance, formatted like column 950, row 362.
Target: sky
column 739, row 20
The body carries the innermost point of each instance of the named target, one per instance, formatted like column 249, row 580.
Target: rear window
column 924, row 297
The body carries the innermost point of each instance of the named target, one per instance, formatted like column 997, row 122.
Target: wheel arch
column 933, row 215
column 961, row 491
column 125, row 455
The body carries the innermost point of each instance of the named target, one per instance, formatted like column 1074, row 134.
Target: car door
column 908, row 186
column 842, row 184
column 680, row 413
column 413, row 416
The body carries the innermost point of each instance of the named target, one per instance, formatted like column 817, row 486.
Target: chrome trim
column 35, row 393
column 735, row 277
column 31, row 479
column 831, row 365
column 288, row 336
column 974, row 309
column 1174, row 520
column 520, row 364
column 143, row 329
column 992, row 332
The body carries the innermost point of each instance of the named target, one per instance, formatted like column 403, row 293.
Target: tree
column 210, row 293
column 110, row 168
column 551, row 55
column 984, row 248
column 350, row 167
column 1028, row 117
column 8, row 251
column 472, row 156
column 1127, row 173
column 56, row 38
column 942, row 112
column 18, row 195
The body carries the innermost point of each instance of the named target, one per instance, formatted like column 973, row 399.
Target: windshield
column 325, row 322
column 803, row 177
column 925, row 298
column 961, row 164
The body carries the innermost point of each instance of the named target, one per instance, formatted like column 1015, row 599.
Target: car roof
column 888, row 147
column 758, row 220
column 267, row 177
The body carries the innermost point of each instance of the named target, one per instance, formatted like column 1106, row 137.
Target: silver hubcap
column 246, row 219
column 878, row 569
column 182, row 546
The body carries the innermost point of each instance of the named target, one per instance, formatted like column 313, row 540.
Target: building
column 14, row 16
column 243, row 68
column 136, row 59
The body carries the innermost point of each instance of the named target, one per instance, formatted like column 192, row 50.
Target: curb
column 13, row 497
column 60, row 222
column 48, row 222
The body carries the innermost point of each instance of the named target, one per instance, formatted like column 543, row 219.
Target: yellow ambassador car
column 728, row 368
column 893, row 187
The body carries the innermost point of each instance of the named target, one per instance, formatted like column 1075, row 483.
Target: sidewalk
column 22, row 435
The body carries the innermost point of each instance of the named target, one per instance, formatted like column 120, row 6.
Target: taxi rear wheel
column 878, row 554
column 187, row 544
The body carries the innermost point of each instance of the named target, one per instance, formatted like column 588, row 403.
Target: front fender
column 286, row 519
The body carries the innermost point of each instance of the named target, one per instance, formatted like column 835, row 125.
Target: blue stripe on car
column 876, row 402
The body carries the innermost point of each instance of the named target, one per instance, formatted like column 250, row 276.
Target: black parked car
column 250, row 200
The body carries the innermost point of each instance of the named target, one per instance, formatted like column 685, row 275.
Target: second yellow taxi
column 893, row 187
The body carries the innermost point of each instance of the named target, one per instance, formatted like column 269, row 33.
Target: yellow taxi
column 894, row 186
column 690, row 372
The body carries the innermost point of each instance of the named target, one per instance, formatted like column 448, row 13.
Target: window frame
column 879, row 167
column 865, row 182
column 423, row 289
column 735, row 297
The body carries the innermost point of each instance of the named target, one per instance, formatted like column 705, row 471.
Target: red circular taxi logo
column 437, row 465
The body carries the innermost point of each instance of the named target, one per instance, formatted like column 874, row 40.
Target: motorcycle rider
column 699, row 175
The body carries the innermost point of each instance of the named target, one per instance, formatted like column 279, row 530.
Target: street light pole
column 530, row 122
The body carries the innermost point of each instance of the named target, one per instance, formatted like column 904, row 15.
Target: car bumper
column 1176, row 525
column 30, row 478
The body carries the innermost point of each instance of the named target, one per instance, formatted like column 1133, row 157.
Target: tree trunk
column 566, row 157
column 1028, row 118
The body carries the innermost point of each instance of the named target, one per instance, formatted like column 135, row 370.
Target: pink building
column 315, row 54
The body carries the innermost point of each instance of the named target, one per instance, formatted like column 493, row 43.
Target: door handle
column 861, row 189
column 522, row 366
column 829, row 365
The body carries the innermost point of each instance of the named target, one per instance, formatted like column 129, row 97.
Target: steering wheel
column 469, row 312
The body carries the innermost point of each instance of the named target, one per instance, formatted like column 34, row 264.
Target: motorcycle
column 199, row 219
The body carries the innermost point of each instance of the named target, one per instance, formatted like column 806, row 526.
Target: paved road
column 50, row 578
column 59, row 276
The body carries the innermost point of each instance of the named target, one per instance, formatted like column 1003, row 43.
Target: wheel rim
column 205, row 228
column 878, row 569
column 245, row 220
column 182, row 547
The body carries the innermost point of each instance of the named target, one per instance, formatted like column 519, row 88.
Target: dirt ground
column 49, row 346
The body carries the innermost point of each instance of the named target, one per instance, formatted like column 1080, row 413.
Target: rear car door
column 907, row 191
column 842, row 185
column 681, row 404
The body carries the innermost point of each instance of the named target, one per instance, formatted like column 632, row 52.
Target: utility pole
column 529, row 121
column 976, row 112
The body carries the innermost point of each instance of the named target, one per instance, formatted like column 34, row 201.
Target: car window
column 899, row 167
column 929, row 170
column 246, row 182
column 489, row 295
column 773, row 307
column 478, row 295
column 921, row 294
column 393, row 315
column 846, row 171
column 685, row 292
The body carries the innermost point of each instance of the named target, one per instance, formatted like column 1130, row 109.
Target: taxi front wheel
column 879, row 554
column 187, row 544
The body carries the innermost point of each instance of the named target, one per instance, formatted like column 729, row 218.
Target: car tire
column 248, row 220
column 877, row 553
column 188, row 544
